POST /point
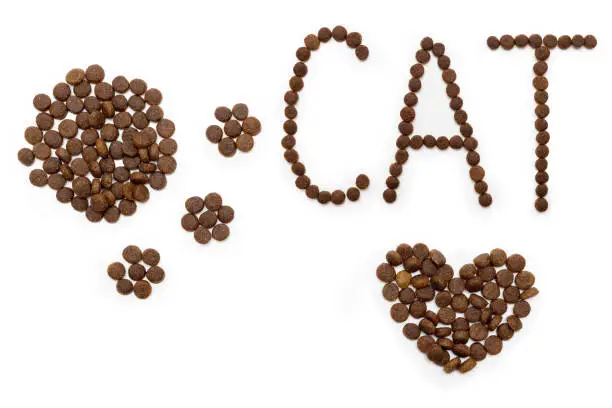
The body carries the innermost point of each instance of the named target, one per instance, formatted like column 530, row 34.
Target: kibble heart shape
column 468, row 324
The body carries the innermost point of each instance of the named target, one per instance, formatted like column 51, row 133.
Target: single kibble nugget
column 240, row 111
column 125, row 286
column 142, row 289
column 227, row 147
column 213, row 201
column 194, row 204
column 155, row 274
column 223, row 114
column 214, row 134
column 132, row 254
column 151, row 257
column 220, row 232
column 189, row 222
column 202, row 235
column 251, row 126
column 226, row 214
column 116, row 271
column 136, row 272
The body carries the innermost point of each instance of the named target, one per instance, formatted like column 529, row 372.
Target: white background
column 288, row 312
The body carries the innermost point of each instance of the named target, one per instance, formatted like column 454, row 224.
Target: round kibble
column 214, row 134
column 202, row 235
column 116, row 271
column 136, row 272
column 227, row 147
column 189, row 222
column 251, row 126
column 194, row 204
column 125, row 286
column 142, row 289
column 151, row 257
column 226, row 214
column 155, row 274
column 220, row 232
column 213, row 201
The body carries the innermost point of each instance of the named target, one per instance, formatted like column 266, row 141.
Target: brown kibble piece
column 155, row 274
column 94, row 73
column 251, row 126
column 220, row 232
column 151, row 257
column 493, row 345
column 245, row 142
column 226, row 214
column 189, row 222
column 399, row 312
column 136, row 272
column 116, row 271
column 194, row 204
column 132, row 254
column 142, row 289
column 202, row 235
column 214, row 134
column 125, row 286
column 227, row 147
column 515, row 263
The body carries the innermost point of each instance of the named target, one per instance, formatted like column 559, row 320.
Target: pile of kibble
column 237, row 133
column 100, row 151
column 211, row 223
column 139, row 276
column 542, row 47
column 467, row 324
column 312, row 43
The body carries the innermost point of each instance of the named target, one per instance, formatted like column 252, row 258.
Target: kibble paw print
column 210, row 224
column 463, row 322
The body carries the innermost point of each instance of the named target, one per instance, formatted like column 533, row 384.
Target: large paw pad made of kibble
column 457, row 321
column 100, row 143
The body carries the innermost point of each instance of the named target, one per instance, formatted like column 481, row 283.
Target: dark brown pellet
column 151, row 257
column 220, row 232
column 142, row 289
column 125, row 286
column 155, row 274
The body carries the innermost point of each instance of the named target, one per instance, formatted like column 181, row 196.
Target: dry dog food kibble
column 468, row 327
column 105, row 147
column 237, row 133
column 139, row 276
column 207, row 218
column 296, row 83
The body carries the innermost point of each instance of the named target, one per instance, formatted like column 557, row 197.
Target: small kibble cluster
column 143, row 270
column 207, row 218
column 238, row 130
column 469, row 320
column 100, row 150
column 407, row 114
column 312, row 43
column 542, row 47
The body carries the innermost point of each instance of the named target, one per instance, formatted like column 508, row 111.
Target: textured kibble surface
column 107, row 146
column 312, row 43
column 464, row 140
column 142, row 270
column 235, row 132
column 456, row 320
column 542, row 47
column 207, row 218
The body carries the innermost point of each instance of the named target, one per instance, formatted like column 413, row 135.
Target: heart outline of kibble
column 416, row 276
